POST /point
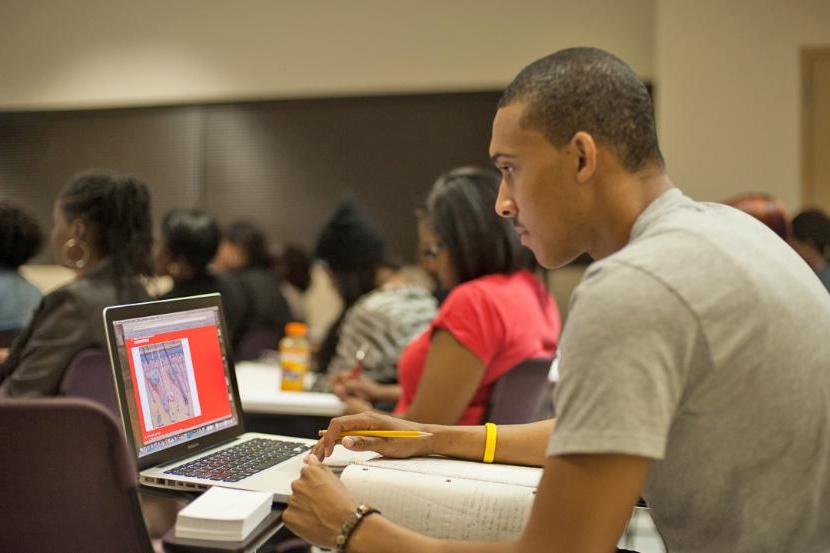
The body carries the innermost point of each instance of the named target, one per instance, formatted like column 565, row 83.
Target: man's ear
column 583, row 145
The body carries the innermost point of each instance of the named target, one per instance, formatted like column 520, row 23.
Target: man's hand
column 318, row 506
column 389, row 447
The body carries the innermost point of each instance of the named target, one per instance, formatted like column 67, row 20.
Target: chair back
column 68, row 481
column 90, row 376
column 256, row 340
column 519, row 395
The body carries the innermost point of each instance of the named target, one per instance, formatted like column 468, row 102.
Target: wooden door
column 815, row 75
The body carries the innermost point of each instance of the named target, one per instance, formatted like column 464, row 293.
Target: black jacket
column 234, row 300
column 268, row 307
column 67, row 321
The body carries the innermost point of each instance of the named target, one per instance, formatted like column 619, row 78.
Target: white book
column 447, row 498
column 223, row 514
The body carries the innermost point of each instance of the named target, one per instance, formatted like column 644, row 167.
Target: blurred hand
column 356, row 405
column 363, row 388
column 336, row 378
column 318, row 506
column 389, row 447
column 4, row 354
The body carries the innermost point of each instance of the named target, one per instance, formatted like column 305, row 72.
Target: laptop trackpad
column 277, row 480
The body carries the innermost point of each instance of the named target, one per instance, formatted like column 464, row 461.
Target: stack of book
column 222, row 514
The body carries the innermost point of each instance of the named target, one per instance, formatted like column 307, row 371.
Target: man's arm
column 582, row 506
column 520, row 444
column 516, row 444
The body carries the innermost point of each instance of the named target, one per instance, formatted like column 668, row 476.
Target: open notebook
column 445, row 498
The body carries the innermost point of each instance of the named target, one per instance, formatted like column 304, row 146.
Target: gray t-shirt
column 704, row 344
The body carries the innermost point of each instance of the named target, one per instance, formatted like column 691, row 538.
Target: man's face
column 538, row 190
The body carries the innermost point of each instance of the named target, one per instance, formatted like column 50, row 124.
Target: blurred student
column 102, row 231
column 497, row 313
column 381, row 312
column 811, row 240
column 188, row 242
column 294, row 268
column 20, row 240
column 243, row 251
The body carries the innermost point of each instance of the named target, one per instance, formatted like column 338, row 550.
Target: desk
column 266, row 534
column 268, row 409
column 263, row 538
column 259, row 390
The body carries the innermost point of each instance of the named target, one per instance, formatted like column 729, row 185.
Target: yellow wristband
column 489, row 442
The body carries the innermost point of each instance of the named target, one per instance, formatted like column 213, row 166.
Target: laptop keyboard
column 240, row 461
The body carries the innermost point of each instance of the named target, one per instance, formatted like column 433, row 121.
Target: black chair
column 89, row 376
column 68, row 482
column 520, row 394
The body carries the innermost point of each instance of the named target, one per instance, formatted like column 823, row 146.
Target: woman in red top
column 496, row 315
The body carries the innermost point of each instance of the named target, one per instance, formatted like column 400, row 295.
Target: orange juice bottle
column 295, row 356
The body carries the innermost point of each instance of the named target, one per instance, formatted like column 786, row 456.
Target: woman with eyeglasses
column 497, row 312
column 102, row 232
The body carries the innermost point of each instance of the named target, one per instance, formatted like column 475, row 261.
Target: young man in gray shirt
column 695, row 363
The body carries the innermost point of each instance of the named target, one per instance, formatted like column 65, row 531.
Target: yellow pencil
column 382, row 433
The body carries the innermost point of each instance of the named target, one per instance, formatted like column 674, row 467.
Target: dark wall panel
column 281, row 164
column 41, row 151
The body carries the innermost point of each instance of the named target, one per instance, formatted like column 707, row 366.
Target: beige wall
column 726, row 73
column 728, row 92
column 90, row 53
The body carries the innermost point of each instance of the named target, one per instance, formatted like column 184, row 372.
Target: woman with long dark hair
column 101, row 231
column 496, row 315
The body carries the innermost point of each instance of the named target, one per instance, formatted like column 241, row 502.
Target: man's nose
column 505, row 206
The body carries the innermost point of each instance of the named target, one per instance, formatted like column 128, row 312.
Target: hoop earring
column 81, row 262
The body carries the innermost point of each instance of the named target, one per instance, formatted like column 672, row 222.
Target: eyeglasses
column 432, row 251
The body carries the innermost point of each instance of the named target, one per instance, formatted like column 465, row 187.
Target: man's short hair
column 590, row 90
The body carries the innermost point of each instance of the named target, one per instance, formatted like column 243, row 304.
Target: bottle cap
column 296, row 329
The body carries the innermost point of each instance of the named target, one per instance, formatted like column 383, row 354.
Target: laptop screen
column 176, row 377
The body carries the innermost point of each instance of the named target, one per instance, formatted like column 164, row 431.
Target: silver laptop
column 180, row 405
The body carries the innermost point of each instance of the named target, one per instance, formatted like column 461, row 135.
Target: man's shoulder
column 695, row 236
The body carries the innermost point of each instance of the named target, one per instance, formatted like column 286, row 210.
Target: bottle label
column 294, row 356
column 294, row 363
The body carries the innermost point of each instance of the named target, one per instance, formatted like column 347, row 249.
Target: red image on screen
column 176, row 363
